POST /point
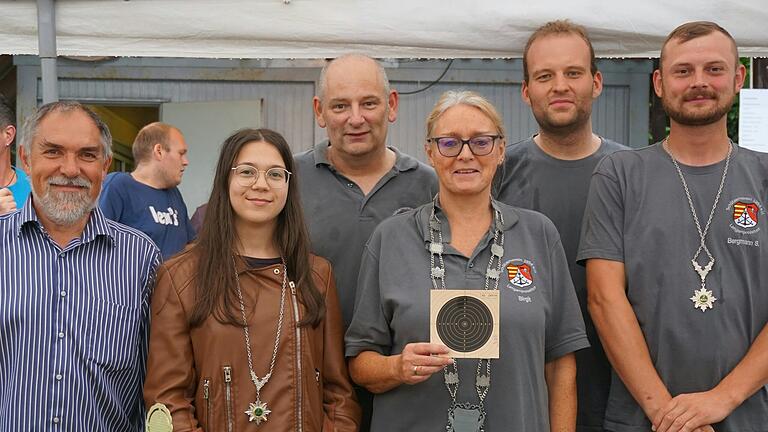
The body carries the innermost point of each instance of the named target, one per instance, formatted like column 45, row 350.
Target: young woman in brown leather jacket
column 246, row 331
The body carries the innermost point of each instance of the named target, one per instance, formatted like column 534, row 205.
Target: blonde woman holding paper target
column 466, row 240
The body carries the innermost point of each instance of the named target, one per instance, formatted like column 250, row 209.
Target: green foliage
column 733, row 115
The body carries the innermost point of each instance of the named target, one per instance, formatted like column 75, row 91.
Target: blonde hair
column 451, row 98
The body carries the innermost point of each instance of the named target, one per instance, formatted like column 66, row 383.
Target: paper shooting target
column 466, row 321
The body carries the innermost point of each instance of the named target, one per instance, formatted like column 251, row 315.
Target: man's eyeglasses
column 247, row 175
column 480, row 145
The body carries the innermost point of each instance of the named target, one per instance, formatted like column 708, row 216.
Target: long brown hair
column 214, row 279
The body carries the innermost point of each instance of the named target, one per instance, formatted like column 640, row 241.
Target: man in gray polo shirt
column 353, row 181
column 675, row 250
column 550, row 173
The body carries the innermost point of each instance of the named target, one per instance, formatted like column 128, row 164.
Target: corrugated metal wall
column 610, row 115
column 408, row 133
column 287, row 105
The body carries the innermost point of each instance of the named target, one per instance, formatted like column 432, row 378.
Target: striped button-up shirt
column 73, row 325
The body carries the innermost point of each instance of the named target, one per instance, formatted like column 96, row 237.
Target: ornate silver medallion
column 466, row 417
column 257, row 411
column 703, row 299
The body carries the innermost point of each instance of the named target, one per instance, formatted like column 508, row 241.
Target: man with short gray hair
column 352, row 181
column 14, row 185
column 74, row 286
column 148, row 199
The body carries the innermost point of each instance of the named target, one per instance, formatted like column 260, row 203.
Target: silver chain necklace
column 476, row 413
column 258, row 411
column 702, row 298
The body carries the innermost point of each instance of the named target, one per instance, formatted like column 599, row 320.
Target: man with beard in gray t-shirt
column 550, row 173
column 675, row 252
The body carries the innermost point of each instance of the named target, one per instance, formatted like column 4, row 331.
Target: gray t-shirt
column 532, row 179
column 340, row 218
column 637, row 213
column 539, row 322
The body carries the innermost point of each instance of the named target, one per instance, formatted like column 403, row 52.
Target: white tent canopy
column 395, row 28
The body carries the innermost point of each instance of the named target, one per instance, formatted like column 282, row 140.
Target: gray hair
column 382, row 73
column 7, row 114
column 33, row 123
column 451, row 98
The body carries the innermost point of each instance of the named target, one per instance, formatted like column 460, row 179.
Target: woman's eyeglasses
column 247, row 175
column 480, row 145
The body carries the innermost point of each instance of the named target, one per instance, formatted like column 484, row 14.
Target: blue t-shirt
column 159, row 213
column 21, row 188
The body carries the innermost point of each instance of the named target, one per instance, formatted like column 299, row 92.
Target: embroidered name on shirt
column 743, row 242
column 171, row 217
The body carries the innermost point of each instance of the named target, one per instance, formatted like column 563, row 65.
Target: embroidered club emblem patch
column 745, row 214
column 519, row 275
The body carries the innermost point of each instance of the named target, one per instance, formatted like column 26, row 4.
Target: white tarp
column 394, row 28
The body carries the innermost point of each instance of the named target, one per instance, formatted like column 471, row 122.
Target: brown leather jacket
column 201, row 374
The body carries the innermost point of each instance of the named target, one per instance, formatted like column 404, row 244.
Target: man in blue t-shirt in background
column 147, row 199
column 14, row 185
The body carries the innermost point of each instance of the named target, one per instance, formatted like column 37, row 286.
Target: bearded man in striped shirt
column 74, row 287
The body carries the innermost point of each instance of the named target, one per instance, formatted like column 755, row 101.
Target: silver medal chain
column 261, row 382
column 702, row 271
column 451, row 377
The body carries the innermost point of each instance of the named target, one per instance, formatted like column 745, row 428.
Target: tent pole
column 46, row 33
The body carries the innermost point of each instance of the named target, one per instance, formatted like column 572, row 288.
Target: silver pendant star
column 703, row 299
column 257, row 411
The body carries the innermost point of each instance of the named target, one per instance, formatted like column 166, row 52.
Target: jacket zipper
column 207, row 397
column 298, row 356
column 228, row 395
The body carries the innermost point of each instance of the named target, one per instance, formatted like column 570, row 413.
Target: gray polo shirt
column 539, row 322
column 340, row 218
column 532, row 179
column 637, row 213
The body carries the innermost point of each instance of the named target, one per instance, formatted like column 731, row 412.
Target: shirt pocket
column 112, row 335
